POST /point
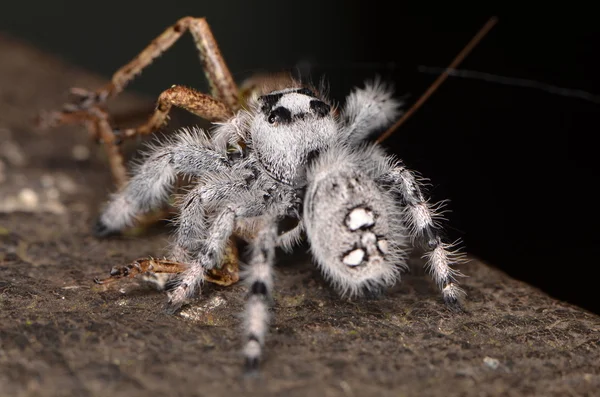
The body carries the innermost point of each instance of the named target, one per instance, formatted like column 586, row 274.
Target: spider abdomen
column 351, row 225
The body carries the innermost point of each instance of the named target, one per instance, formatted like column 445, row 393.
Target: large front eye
column 280, row 115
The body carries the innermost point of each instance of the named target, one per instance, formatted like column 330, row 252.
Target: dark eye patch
column 305, row 91
column 280, row 115
column 268, row 101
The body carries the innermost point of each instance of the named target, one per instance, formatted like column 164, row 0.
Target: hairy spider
column 279, row 152
column 294, row 159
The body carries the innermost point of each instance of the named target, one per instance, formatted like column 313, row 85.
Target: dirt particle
column 28, row 198
column 80, row 152
column 2, row 172
column 491, row 363
column 203, row 313
column 292, row 301
column 10, row 150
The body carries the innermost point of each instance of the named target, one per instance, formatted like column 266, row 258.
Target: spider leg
column 191, row 225
column 142, row 266
column 195, row 102
column 259, row 279
column 221, row 82
column 421, row 217
column 209, row 255
column 222, row 85
column 190, row 153
column 288, row 239
column 208, row 216
column 368, row 110
column 154, row 271
column 98, row 124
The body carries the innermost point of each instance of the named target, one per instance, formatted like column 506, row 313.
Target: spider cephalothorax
column 289, row 155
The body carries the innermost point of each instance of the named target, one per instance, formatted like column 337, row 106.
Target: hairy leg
column 209, row 255
column 190, row 153
column 421, row 218
column 369, row 110
column 259, row 279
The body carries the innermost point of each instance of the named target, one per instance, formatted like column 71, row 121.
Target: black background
column 515, row 162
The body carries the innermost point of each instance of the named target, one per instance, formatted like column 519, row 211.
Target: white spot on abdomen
column 383, row 246
column 354, row 258
column 359, row 218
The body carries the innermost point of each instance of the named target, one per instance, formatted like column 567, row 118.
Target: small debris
column 2, row 171
column 41, row 195
column 80, row 152
column 53, row 194
column 66, row 184
column 68, row 287
column 47, row 180
column 346, row 388
column 491, row 363
column 28, row 198
column 202, row 313
column 10, row 150
column 292, row 301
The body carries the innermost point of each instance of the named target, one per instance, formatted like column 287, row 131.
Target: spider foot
column 452, row 294
column 455, row 306
column 376, row 292
column 251, row 365
column 177, row 297
column 117, row 272
column 101, row 230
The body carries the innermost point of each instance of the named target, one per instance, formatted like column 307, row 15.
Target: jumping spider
column 288, row 154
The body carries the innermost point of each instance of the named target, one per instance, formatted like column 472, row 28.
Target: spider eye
column 280, row 115
column 306, row 91
column 320, row 108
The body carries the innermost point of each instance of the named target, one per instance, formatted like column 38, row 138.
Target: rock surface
column 60, row 335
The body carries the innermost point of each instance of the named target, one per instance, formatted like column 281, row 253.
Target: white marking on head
column 295, row 103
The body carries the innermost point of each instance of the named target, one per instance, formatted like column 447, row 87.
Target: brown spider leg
column 98, row 125
column 222, row 84
column 142, row 266
column 195, row 102
column 227, row 275
column 116, row 160
column 218, row 75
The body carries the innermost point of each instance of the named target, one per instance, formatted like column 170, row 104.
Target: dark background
column 515, row 162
